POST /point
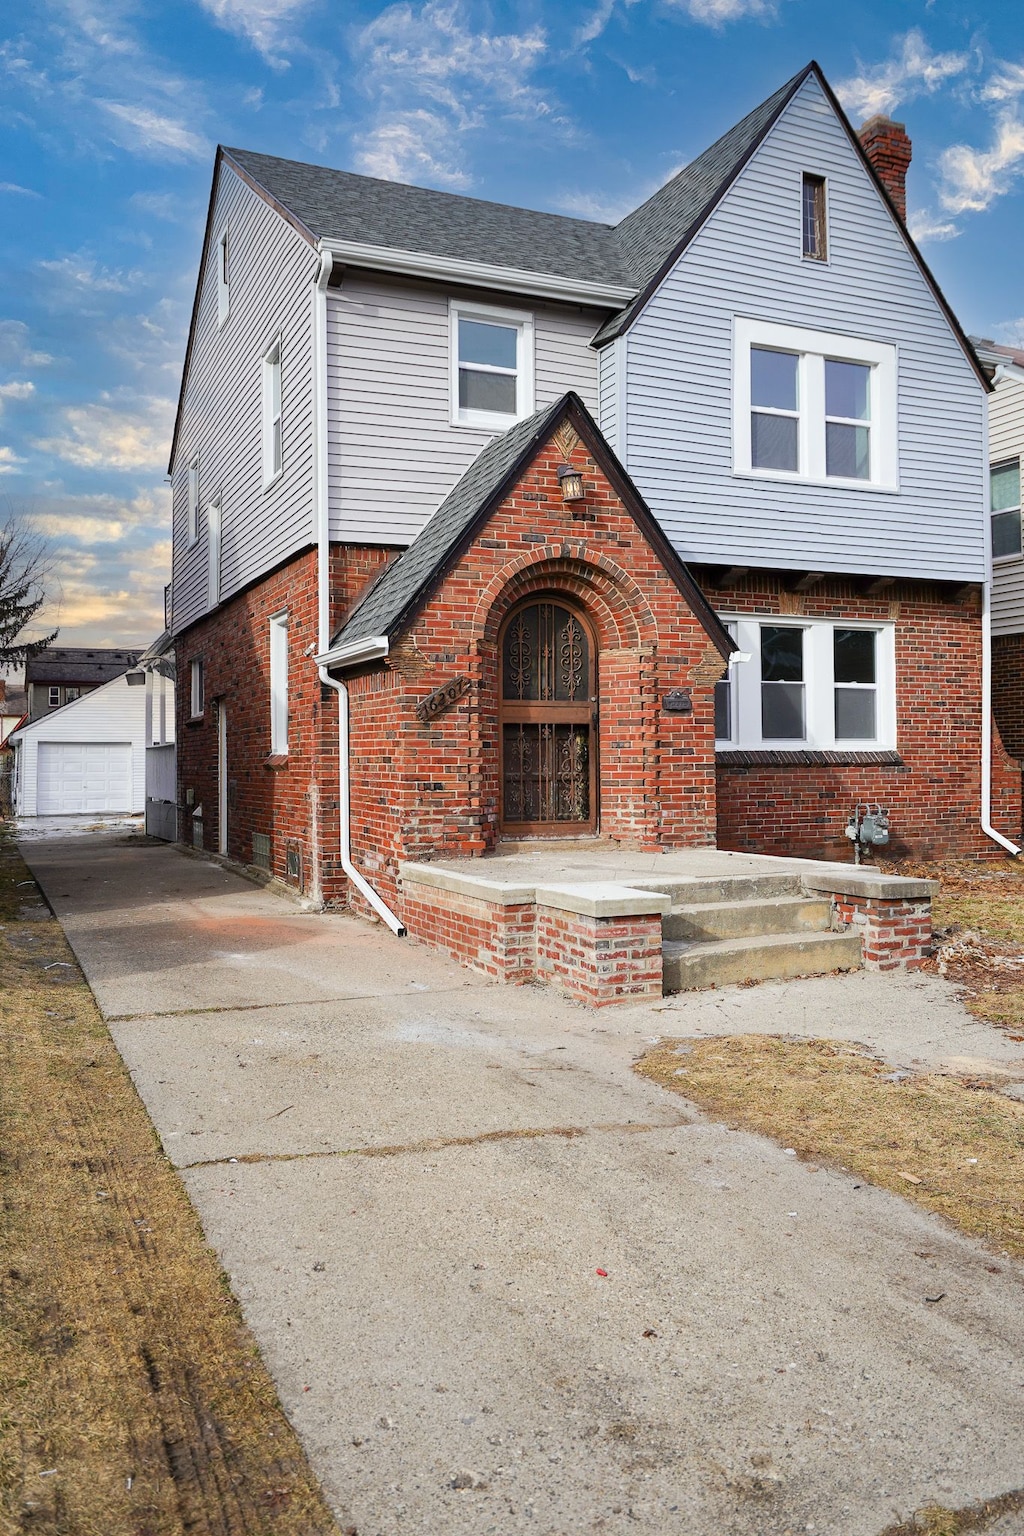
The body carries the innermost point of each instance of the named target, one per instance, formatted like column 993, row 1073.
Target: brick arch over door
column 625, row 741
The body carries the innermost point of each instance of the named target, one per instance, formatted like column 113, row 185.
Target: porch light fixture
column 571, row 482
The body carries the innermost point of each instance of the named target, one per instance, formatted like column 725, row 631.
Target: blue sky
column 110, row 112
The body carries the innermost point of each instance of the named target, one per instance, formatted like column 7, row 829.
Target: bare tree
column 25, row 569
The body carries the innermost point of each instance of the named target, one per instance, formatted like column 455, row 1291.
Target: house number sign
column 678, row 702
column 442, row 698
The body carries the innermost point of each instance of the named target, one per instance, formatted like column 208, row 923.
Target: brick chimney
column 887, row 146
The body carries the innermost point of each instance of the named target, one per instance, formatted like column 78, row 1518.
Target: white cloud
column 82, row 272
column 92, row 519
column 973, row 178
column 13, row 187
column 925, row 227
column 914, row 70
column 434, row 80
column 1007, row 84
column 715, row 13
column 155, row 133
column 115, row 433
column 15, row 350
column 17, row 389
column 263, row 23
column 9, row 460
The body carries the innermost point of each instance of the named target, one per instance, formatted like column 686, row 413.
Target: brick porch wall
column 933, row 793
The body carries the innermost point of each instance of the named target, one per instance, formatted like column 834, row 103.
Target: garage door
column 83, row 776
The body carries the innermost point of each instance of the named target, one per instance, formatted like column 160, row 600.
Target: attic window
column 815, row 235
column 492, row 366
column 223, row 295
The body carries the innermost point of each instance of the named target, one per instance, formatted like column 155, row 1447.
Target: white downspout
column 986, row 667
column 323, row 551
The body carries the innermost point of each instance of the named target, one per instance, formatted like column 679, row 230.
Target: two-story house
column 493, row 524
column 1006, row 448
column 62, row 673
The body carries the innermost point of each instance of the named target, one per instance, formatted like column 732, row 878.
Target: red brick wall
column 432, row 790
column 1008, row 690
column 934, row 795
column 295, row 802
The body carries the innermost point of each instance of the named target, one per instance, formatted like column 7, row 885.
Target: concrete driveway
column 414, row 1180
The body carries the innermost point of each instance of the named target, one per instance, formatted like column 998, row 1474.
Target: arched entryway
column 548, row 719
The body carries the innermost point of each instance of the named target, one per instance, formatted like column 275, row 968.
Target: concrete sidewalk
column 431, row 1172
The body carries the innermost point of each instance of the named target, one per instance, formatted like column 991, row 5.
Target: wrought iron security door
column 548, row 721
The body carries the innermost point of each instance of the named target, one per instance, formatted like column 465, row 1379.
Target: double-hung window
column 1006, row 541
column 279, row 684
column 814, row 406
column 491, row 366
column 808, row 684
column 53, row 698
column 273, row 443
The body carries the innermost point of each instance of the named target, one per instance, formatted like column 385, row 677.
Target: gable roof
column 339, row 205
column 406, row 584
column 77, row 664
column 654, row 236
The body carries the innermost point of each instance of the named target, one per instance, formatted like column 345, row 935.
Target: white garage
column 76, row 776
column 87, row 758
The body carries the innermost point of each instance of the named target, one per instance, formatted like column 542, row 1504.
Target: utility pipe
column 323, row 553
column 986, row 670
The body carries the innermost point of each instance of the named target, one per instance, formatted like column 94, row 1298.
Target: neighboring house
column 754, row 373
column 1006, row 447
column 13, row 707
column 61, row 674
column 90, row 756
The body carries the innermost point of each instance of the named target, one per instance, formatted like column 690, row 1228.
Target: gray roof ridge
column 414, row 186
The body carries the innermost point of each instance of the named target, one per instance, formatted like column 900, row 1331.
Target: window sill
column 268, row 485
column 276, row 760
column 196, row 720
column 484, row 423
column 804, row 757
column 1007, row 559
column 833, row 483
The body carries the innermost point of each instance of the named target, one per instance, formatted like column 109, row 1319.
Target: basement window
column 809, row 683
column 1006, row 534
column 814, row 217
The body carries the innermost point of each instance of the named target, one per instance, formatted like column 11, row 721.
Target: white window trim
column 51, row 702
column 271, row 361
column 213, row 526
column 279, row 684
column 223, row 277
column 813, row 347
column 1004, row 463
column 494, row 421
column 196, row 689
column 819, row 686
column 192, row 497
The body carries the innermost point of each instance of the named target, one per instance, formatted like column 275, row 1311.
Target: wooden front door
column 548, row 721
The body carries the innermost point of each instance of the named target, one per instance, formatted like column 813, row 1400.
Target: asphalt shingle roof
column 77, row 664
column 396, row 592
column 340, row 205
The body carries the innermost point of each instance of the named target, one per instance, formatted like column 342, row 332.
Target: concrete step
column 688, row 893
column 691, row 966
column 747, row 919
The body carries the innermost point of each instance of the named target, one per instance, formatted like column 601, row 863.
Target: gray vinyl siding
column 747, row 261
column 271, row 271
column 1006, row 441
column 394, row 454
column 609, row 392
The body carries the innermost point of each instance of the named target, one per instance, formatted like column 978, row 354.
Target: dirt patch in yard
column 951, row 1144
column 133, row 1401
column 978, row 917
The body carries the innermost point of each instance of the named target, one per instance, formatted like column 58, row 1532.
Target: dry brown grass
column 133, row 1401
column 832, row 1104
column 979, row 930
